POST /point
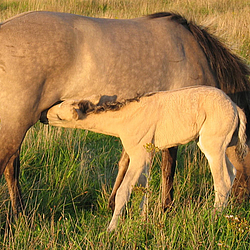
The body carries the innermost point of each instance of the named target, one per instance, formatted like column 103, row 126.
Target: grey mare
column 48, row 57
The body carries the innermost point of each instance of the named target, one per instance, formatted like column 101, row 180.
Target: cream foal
column 165, row 119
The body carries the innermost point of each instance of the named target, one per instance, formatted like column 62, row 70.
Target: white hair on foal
column 165, row 119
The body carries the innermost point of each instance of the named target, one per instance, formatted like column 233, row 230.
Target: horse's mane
column 87, row 107
column 230, row 70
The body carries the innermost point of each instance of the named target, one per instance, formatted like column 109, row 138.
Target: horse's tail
column 241, row 147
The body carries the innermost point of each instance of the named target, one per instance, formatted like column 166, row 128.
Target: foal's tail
column 241, row 147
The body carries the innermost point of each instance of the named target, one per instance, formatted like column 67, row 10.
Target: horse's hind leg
column 168, row 170
column 231, row 170
column 241, row 187
column 11, row 174
column 222, row 180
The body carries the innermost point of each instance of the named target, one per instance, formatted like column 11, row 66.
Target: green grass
column 67, row 175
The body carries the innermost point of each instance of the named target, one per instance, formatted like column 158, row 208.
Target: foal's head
column 65, row 111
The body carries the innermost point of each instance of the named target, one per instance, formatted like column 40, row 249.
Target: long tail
column 241, row 147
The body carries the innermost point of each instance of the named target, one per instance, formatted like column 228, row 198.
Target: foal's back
column 181, row 114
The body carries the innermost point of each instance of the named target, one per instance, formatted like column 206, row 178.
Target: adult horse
column 47, row 57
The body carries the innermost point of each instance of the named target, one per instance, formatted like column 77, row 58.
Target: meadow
column 67, row 175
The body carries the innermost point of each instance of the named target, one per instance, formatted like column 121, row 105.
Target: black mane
column 87, row 107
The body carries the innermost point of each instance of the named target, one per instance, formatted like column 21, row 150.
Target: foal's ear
column 75, row 114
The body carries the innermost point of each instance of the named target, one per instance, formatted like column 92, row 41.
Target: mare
column 165, row 119
column 47, row 57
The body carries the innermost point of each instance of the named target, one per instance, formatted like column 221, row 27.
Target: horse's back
column 106, row 52
column 49, row 56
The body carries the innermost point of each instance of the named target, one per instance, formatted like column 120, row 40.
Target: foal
column 165, row 119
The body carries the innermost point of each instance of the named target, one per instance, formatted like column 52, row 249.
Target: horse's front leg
column 123, row 166
column 12, row 131
column 138, row 162
column 168, row 166
column 11, row 174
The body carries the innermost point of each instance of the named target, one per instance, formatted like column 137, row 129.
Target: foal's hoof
column 111, row 228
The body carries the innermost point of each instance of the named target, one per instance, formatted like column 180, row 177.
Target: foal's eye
column 58, row 117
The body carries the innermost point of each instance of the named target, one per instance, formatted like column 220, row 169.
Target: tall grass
column 67, row 175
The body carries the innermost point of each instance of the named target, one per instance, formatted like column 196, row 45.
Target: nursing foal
column 165, row 119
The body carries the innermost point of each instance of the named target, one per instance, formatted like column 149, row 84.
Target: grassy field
column 67, row 175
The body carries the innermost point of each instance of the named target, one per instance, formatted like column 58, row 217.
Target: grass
column 67, row 175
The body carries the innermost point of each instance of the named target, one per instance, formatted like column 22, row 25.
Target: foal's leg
column 136, row 166
column 144, row 182
column 223, row 180
column 11, row 174
column 123, row 166
column 222, row 170
column 168, row 170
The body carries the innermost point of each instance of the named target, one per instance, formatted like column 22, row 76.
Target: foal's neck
column 113, row 122
column 107, row 122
